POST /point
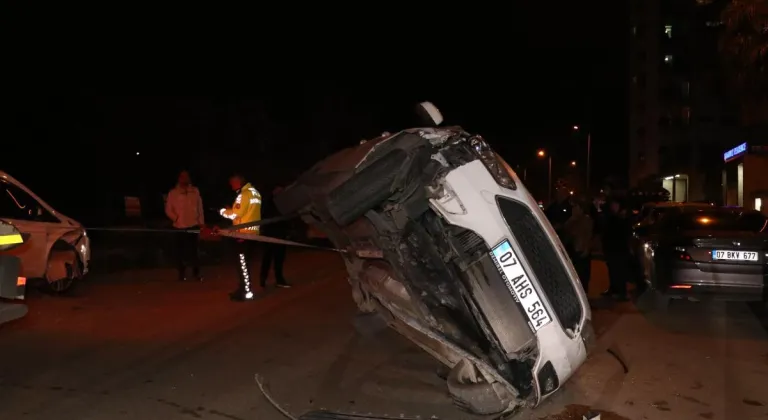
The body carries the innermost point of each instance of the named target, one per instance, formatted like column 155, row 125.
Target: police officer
column 246, row 208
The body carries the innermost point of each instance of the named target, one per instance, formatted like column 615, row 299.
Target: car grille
column 543, row 259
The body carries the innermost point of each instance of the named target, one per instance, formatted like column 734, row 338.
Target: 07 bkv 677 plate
column 519, row 285
column 728, row 255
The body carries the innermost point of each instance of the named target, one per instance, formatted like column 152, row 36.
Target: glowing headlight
column 495, row 166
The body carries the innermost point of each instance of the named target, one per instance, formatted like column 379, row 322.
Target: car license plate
column 734, row 255
column 520, row 285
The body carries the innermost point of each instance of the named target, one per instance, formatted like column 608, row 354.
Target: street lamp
column 589, row 152
column 542, row 153
column 573, row 163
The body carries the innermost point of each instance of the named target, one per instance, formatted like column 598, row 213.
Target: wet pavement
column 139, row 345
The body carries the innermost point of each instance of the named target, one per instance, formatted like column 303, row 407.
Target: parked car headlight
column 498, row 169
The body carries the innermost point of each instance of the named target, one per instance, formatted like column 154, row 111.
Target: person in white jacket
column 184, row 207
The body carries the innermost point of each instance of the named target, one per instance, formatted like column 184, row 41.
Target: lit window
column 758, row 204
column 668, row 58
column 668, row 31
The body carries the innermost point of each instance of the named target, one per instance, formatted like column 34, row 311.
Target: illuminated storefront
column 745, row 177
column 677, row 185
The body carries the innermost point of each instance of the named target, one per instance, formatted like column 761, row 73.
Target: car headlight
column 493, row 163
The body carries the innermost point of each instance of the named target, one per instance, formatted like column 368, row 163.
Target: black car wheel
column 366, row 189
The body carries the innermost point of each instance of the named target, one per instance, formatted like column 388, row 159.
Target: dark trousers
column 618, row 272
column 583, row 266
column 273, row 253
column 187, row 253
column 242, row 251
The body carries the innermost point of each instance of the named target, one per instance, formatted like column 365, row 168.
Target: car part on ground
column 449, row 248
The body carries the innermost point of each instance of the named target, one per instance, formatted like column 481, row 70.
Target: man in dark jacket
column 616, row 234
column 273, row 253
column 560, row 210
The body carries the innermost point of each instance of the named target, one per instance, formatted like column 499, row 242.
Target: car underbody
column 389, row 203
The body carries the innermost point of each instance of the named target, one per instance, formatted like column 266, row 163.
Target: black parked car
column 704, row 252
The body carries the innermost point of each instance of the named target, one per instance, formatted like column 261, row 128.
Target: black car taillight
column 681, row 254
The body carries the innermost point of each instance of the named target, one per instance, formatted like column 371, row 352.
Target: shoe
column 241, row 297
column 283, row 285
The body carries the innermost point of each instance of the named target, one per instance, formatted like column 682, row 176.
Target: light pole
column 541, row 153
column 589, row 153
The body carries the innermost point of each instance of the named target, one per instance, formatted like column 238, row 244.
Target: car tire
column 367, row 189
column 67, row 284
column 477, row 398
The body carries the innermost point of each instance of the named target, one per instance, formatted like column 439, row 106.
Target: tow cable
column 230, row 232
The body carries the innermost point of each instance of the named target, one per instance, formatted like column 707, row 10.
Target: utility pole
column 589, row 156
column 549, row 178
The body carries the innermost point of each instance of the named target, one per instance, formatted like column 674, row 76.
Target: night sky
column 522, row 85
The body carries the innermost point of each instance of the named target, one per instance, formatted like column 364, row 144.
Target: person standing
column 245, row 209
column 274, row 254
column 579, row 229
column 617, row 232
column 184, row 207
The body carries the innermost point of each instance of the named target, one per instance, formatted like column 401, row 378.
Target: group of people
column 184, row 207
column 577, row 223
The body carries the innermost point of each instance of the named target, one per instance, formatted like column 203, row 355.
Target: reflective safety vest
column 11, row 239
column 247, row 208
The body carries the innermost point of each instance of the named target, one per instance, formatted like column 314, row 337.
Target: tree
column 744, row 45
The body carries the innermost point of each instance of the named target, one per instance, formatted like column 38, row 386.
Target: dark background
column 522, row 83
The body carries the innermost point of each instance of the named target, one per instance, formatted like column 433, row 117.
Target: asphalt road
column 138, row 345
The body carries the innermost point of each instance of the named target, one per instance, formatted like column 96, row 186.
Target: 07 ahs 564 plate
column 519, row 284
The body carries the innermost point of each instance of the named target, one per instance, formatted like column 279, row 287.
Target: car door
column 24, row 212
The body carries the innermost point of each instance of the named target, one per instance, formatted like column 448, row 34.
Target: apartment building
column 680, row 119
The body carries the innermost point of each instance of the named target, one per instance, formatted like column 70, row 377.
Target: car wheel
column 66, row 283
column 471, row 394
column 367, row 189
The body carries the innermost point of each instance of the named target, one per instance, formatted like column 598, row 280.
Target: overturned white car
column 447, row 245
column 57, row 249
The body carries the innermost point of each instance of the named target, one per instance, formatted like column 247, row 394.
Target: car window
column 716, row 220
column 17, row 204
